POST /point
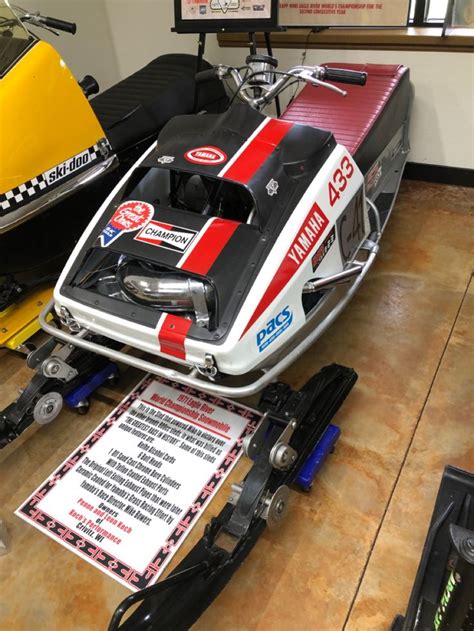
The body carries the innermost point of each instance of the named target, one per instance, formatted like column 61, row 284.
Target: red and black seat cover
column 367, row 118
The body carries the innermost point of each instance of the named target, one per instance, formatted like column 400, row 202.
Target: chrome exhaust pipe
column 170, row 292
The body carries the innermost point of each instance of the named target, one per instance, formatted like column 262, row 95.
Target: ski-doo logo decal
column 42, row 183
column 373, row 176
column 209, row 156
column 308, row 235
column 166, row 236
column 68, row 167
column 274, row 328
column 128, row 217
column 256, row 151
column 321, row 252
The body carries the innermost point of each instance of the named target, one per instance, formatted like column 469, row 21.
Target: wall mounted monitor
column 213, row 16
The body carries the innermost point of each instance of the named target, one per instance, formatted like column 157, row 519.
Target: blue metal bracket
column 96, row 380
column 317, row 458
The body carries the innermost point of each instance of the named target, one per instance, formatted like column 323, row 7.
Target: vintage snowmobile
column 233, row 242
column 224, row 253
column 237, row 238
column 69, row 152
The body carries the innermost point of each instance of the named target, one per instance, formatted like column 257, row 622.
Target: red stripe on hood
column 174, row 329
column 209, row 246
column 172, row 335
column 257, row 152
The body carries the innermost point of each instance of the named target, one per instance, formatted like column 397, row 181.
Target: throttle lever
column 36, row 19
column 310, row 78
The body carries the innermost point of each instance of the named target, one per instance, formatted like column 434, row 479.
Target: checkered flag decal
column 19, row 194
column 14, row 199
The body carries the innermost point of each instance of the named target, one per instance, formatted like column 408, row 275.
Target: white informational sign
column 225, row 9
column 355, row 13
column 126, row 498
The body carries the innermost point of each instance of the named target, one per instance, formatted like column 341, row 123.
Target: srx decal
column 209, row 156
column 274, row 328
column 166, row 236
column 321, row 252
column 128, row 217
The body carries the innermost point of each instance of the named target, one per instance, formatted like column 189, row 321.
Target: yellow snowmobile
column 60, row 153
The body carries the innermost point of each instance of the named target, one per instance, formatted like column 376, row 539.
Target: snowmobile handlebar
column 340, row 75
column 258, row 88
column 43, row 21
column 59, row 25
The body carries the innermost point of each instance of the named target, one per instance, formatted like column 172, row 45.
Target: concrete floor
column 347, row 554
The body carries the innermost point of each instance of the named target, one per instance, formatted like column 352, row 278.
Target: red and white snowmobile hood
column 273, row 160
column 286, row 169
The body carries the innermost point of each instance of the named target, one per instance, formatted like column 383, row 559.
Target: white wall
column 443, row 115
column 116, row 37
column 141, row 31
column 91, row 50
column 442, row 128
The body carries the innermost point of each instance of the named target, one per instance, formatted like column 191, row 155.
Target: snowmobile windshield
column 14, row 38
column 193, row 192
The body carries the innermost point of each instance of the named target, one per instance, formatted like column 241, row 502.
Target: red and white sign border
column 83, row 546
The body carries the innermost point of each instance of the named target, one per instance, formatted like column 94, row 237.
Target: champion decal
column 50, row 179
column 166, row 236
column 128, row 217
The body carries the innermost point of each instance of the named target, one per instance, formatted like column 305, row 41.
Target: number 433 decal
column 340, row 179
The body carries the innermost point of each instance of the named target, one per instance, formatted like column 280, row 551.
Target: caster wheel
column 83, row 407
column 47, row 408
column 113, row 380
column 277, row 507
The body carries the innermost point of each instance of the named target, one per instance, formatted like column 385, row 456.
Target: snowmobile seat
column 367, row 119
column 139, row 106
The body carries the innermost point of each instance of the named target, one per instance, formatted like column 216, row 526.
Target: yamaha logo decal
column 209, row 156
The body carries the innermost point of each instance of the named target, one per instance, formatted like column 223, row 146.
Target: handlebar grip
column 339, row 75
column 206, row 75
column 60, row 25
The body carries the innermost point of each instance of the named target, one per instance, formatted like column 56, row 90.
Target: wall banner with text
column 128, row 496
column 355, row 13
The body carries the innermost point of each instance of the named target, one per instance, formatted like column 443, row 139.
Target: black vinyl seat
column 139, row 106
